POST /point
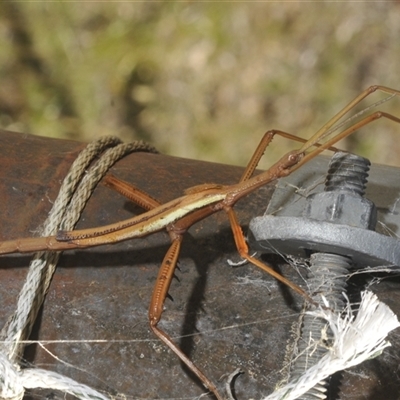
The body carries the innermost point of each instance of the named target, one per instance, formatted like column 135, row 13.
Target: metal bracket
column 284, row 229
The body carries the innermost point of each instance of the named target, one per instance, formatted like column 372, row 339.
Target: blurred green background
column 201, row 80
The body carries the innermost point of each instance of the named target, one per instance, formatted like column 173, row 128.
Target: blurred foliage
column 197, row 79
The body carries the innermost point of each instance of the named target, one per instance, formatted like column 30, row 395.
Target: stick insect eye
column 293, row 158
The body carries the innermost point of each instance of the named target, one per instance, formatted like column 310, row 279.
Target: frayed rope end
column 356, row 339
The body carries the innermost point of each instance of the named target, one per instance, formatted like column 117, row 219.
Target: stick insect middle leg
column 164, row 278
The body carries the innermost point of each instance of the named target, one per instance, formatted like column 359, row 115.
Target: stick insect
column 199, row 202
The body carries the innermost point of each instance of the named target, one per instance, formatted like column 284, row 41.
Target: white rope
column 355, row 340
column 11, row 384
column 73, row 195
column 31, row 378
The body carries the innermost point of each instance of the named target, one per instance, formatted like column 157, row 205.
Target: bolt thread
column 326, row 277
column 347, row 172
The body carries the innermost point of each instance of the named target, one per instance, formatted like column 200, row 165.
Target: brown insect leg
column 137, row 196
column 365, row 121
column 325, row 128
column 262, row 146
column 160, row 292
column 164, row 277
column 244, row 253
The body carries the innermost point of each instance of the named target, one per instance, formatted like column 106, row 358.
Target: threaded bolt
column 347, row 174
column 327, row 277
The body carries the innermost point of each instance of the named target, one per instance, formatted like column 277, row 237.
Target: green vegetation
column 197, row 79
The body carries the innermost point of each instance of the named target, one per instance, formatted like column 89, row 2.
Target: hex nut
column 342, row 208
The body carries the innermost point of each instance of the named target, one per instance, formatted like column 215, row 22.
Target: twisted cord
column 15, row 381
column 75, row 191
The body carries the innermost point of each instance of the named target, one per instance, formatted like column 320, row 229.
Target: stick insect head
column 289, row 162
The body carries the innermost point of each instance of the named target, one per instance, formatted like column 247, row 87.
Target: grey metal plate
column 383, row 189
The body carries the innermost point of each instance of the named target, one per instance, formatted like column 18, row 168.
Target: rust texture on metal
column 222, row 317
